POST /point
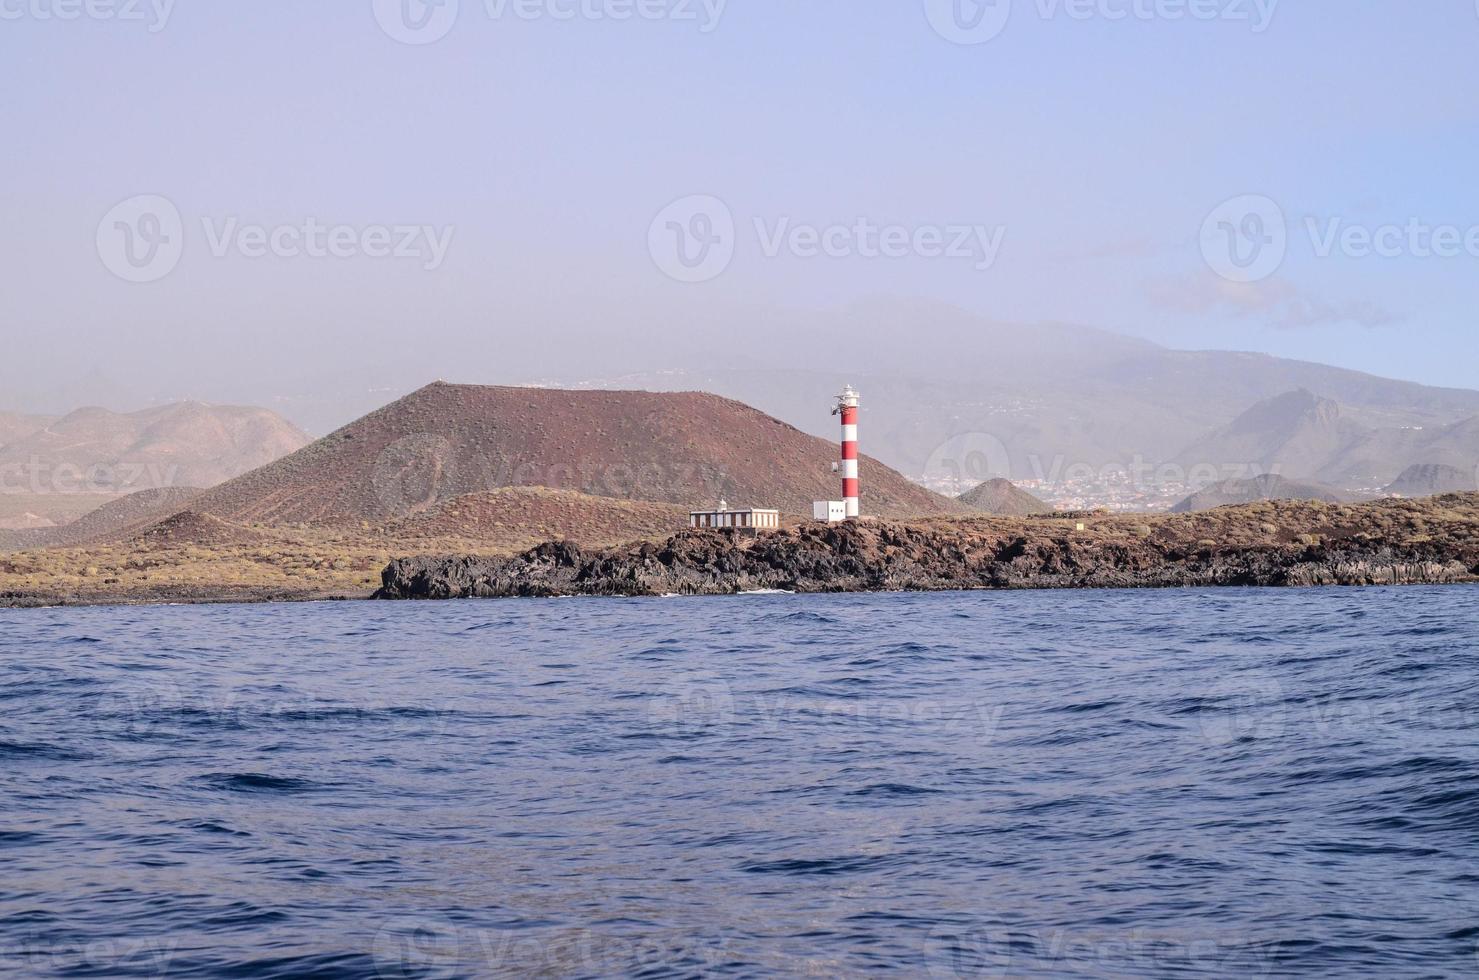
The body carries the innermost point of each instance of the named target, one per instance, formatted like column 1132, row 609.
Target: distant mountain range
column 949, row 399
column 1302, row 436
column 948, row 396
column 500, row 464
column 180, row 445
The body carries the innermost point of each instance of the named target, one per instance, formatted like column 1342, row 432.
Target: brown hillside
column 535, row 514
column 198, row 530
column 14, row 425
column 444, row 441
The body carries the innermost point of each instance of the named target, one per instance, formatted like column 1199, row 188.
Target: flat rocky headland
column 1275, row 543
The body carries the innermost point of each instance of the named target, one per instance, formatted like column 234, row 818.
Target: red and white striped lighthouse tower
column 847, row 407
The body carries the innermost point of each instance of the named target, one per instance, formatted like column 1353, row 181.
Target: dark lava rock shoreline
column 1271, row 544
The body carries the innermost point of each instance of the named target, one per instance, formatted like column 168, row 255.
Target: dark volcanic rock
column 1270, row 544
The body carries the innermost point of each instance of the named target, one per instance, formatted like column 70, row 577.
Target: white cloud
column 1277, row 301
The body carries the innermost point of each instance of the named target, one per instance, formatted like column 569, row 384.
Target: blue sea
column 1085, row 784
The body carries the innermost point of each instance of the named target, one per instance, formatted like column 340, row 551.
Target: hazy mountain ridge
column 1429, row 479
column 182, row 444
column 1040, row 398
column 1303, row 436
column 1269, row 486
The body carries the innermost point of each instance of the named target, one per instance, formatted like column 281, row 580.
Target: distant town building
column 724, row 517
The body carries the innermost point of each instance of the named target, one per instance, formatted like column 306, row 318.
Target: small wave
column 213, row 827
column 39, row 751
column 19, row 838
column 1087, row 707
column 1164, row 860
column 316, row 966
column 496, row 624
column 239, row 915
column 823, row 867
column 1409, row 669
column 895, row 789
column 806, row 617
column 256, row 782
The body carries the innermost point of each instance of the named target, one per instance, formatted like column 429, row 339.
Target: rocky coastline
column 1308, row 543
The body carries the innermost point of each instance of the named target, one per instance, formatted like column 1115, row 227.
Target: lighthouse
column 846, row 509
column 847, row 407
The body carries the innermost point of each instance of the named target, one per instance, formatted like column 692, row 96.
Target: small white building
column 724, row 517
column 831, row 511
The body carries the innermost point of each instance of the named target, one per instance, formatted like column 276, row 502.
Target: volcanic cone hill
column 1003, row 497
column 687, row 449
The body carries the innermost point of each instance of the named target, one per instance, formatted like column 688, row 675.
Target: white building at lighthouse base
column 830, row 511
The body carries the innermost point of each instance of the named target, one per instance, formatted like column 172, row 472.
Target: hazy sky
column 1038, row 160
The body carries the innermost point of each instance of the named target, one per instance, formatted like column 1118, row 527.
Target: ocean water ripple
column 1092, row 784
